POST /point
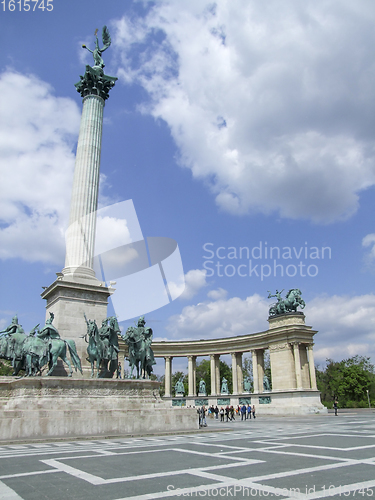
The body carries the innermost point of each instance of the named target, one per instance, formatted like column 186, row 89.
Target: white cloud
column 369, row 241
column 111, row 233
column 218, row 294
column 189, row 285
column 37, row 135
column 346, row 326
column 270, row 103
column 220, row 318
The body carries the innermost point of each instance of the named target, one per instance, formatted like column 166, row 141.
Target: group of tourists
column 227, row 414
column 230, row 413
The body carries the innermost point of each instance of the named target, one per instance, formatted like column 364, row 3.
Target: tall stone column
column 80, row 240
column 311, row 367
column 76, row 290
column 192, row 375
column 168, row 376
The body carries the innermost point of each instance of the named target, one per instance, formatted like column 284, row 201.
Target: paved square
column 319, row 456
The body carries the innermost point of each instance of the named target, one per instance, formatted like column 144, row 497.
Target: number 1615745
column 26, row 5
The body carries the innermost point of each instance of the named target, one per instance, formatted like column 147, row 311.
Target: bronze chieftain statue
column 141, row 355
column 103, row 346
column 32, row 352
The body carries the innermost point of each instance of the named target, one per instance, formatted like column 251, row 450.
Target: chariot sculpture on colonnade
column 291, row 302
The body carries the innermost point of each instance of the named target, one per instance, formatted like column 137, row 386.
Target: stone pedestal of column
column 69, row 301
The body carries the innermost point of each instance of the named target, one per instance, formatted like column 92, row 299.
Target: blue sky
column 232, row 124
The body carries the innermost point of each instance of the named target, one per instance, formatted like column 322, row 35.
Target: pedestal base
column 69, row 301
column 54, row 407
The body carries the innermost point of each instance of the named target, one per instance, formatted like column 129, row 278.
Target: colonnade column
column 255, row 371
column 297, row 364
column 311, row 366
column 237, row 377
column 168, row 376
column 234, row 373
column 215, row 374
column 239, row 372
column 192, row 382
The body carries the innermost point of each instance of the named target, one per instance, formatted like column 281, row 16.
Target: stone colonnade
column 290, row 343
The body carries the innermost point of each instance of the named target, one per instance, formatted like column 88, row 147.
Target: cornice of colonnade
column 289, row 333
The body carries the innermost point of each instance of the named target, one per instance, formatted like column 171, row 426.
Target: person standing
column 204, row 421
column 248, row 409
column 335, row 406
column 243, row 412
column 216, row 411
column 118, row 370
column 222, row 412
column 253, row 411
column 232, row 413
column 227, row 412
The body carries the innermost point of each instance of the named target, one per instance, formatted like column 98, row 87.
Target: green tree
column 347, row 381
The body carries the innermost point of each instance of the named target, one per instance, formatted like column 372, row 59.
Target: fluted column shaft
column 234, row 373
column 168, row 376
column 311, row 367
column 82, row 222
column 191, row 375
column 297, row 364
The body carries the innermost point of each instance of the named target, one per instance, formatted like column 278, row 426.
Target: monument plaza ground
column 315, row 456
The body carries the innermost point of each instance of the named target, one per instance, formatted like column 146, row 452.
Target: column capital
column 95, row 82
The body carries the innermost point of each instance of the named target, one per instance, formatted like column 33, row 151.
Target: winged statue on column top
column 97, row 52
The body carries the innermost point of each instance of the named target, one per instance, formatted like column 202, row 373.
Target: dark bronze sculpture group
column 42, row 348
column 38, row 349
column 289, row 304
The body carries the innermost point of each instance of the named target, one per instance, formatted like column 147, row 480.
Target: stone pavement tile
column 342, row 441
column 245, row 442
column 108, row 467
column 323, row 479
column 62, row 487
column 203, row 447
column 364, row 453
column 271, row 463
column 18, row 465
